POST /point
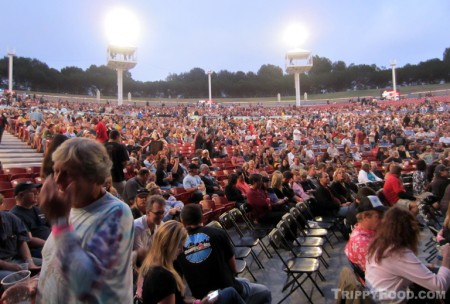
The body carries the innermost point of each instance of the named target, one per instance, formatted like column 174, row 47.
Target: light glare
column 122, row 27
column 296, row 35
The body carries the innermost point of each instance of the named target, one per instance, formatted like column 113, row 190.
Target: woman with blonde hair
column 161, row 282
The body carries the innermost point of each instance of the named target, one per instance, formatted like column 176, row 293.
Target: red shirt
column 392, row 187
column 257, row 199
column 101, row 131
column 357, row 246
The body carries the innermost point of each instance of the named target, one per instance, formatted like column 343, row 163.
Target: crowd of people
column 120, row 209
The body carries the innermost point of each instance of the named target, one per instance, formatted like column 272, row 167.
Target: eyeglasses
column 159, row 213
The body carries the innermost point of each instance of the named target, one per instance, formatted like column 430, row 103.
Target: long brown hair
column 399, row 230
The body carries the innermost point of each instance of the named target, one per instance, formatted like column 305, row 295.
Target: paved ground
column 273, row 276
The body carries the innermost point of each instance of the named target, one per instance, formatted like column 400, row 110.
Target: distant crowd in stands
column 265, row 158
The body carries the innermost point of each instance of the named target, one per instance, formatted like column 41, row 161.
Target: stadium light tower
column 394, row 83
column 11, row 55
column 209, row 87
column 297, row 60
column 122, row 32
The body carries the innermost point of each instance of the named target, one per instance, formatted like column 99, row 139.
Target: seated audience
column 35, row 221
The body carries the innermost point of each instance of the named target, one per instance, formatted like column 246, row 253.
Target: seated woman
column 161, row 283
column 392, row 264
column 232, row 193
column 260, row 202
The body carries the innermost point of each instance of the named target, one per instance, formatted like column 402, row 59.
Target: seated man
column 328, row 201
column 145, row 226
column 369, row 214
column 13, row 245
column 393, row 188
column 193, row 183
column 211, row 183
column 367, row 176
column 35, row 222
column 208, row 262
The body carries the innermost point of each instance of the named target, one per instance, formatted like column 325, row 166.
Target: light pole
column 209, row 87
column 394, row 84
column 11, row 55
column 297, row 61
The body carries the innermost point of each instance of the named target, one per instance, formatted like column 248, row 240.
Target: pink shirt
column 357, row 246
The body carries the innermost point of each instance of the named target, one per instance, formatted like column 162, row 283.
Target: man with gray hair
column 87, row 256
column 211, row 183
column 146, row 226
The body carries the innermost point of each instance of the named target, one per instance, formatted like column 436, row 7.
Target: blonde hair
column 277, row 179
column 164, row 250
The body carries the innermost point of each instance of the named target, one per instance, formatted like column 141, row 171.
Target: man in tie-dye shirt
column 87, row 258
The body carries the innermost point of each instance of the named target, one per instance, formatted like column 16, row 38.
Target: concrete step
column 21, row 160
column 19, row 151
column 22, row 165
column 20, row 155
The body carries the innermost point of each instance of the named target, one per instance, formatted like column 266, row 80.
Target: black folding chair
column 237, row 239
column 296, row 247
column 240, row 253
column 295, row 267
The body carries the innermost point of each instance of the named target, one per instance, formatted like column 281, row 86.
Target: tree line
column 325, row 76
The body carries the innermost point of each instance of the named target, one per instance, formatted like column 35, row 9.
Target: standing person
column 119, row 157
column 209, row 252
column 392, row 264
column 3, row 122
column 101, row 133
column 87, row 257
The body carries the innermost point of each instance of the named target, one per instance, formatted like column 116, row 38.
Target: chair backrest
column 286, row 230
column 226, row 220
column 5, row 185
column 214, row 224
column 7, row 193
column 207, row 205
column 206, row 218
column 299, row 217
column 17, row 181
column 8, row 203
column 14, row 170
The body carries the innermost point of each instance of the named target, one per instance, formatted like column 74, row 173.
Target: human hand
column 53, row 202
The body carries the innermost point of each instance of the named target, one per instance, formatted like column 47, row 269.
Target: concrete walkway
column 15, row 153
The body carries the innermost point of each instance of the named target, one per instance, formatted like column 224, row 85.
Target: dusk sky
column 178, row 35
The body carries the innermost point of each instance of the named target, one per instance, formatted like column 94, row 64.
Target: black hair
column 191, row 214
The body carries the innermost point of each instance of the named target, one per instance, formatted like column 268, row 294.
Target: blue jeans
column 342, row 211
column 254, row 293
column 229, row 295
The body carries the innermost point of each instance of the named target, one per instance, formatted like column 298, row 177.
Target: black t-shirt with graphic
column 204, row 261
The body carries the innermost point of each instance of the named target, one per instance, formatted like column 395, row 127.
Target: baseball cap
column 142, row 191
column 192, row 166
column 370, row 203
column 194, row 158
column 24, row 187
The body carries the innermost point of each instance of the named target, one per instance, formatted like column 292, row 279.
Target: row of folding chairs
column 306, row 250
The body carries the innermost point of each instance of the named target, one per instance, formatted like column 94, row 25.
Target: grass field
column 313, row 98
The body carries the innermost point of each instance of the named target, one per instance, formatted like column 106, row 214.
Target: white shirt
column 296, row 134
column 346, row 141
column 363, row 178
column 143, row 236
column 395, row 273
